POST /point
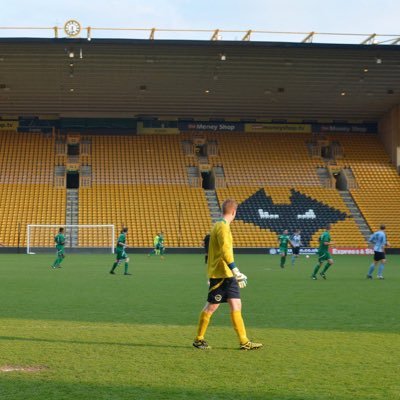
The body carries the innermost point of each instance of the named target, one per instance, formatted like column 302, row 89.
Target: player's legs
column 115, row 265
column 204, row 320
column 162, row 252
column 381, row 267
column 379, row 257
column 118, row 260
column 58, row 260
column 61, row 259
column 237, row 319
column 317, row 267
column 238, row 325
column 216, row 295
column 328, row 264
column 295, row 254
column 55, row 263
column 206, row 259
column 235, row 304
column 371, row 269
column 283, row 258
column 126, row 259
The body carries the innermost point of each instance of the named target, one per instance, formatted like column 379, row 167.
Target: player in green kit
column 323, row 253
column 160, row 245
column 121, row 253
column 283, row 246
column 59, row 239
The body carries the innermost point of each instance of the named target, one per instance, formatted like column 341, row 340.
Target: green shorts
column 283, row 250
column 121, row 254
column 60, row 251
column 324, row 256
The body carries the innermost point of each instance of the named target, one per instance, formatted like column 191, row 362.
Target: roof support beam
column 55, row 32
column 246, row 37
column 215, row 35
column 396, row 41
column 152, row 32
column 308, row 38
column 370, row 39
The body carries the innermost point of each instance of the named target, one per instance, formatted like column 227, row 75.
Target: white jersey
column 295, row 240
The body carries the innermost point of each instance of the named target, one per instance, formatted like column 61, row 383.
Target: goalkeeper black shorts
column 222, row 289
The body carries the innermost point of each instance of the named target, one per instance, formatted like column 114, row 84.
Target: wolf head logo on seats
column 304, row 213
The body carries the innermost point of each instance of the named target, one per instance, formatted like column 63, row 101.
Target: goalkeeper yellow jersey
column 220, row 251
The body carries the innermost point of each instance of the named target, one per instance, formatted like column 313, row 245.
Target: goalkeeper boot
column 323, row 275
column 313, row 277
column 201, row 344
column 250, row 346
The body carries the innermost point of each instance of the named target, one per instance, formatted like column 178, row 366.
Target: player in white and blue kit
column 379, row 242
column 295, row 241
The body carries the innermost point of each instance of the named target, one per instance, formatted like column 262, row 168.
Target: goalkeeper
column 225, row 280
column 159, row 247
column 59, row 239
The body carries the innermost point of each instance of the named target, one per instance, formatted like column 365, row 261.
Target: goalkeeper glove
column 241, row 278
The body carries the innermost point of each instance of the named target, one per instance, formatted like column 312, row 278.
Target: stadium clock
column 72, row 28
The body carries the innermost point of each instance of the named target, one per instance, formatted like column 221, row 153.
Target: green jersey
column 325, row 237
column 121, row 240
column 283, row 241
column 59, row 239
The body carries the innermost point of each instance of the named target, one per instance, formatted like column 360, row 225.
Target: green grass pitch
column 130, row 337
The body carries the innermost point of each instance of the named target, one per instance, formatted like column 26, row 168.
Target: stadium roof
column 197, row 79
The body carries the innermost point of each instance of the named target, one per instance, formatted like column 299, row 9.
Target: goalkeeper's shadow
column 88, row 342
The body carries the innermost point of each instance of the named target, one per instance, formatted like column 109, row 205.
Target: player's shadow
column 81, row 390
column 87, row 342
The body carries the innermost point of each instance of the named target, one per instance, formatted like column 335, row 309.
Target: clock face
column 72, row 28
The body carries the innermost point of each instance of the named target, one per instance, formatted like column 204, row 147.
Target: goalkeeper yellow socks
column 238, row 325
column 204, row 320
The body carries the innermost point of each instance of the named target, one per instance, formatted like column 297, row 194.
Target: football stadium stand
column 280, row 163
column 27, row 194
column 378, row 183
column 179, row 211
column 138, row 160
column 142, row 182
column 260, row 159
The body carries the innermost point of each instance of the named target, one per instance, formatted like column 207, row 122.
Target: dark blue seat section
column 304, row 213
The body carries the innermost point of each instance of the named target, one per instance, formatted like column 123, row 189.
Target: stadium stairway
column 324, row 177
column 355, row 212
column 213, row 205
column 72, row 216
